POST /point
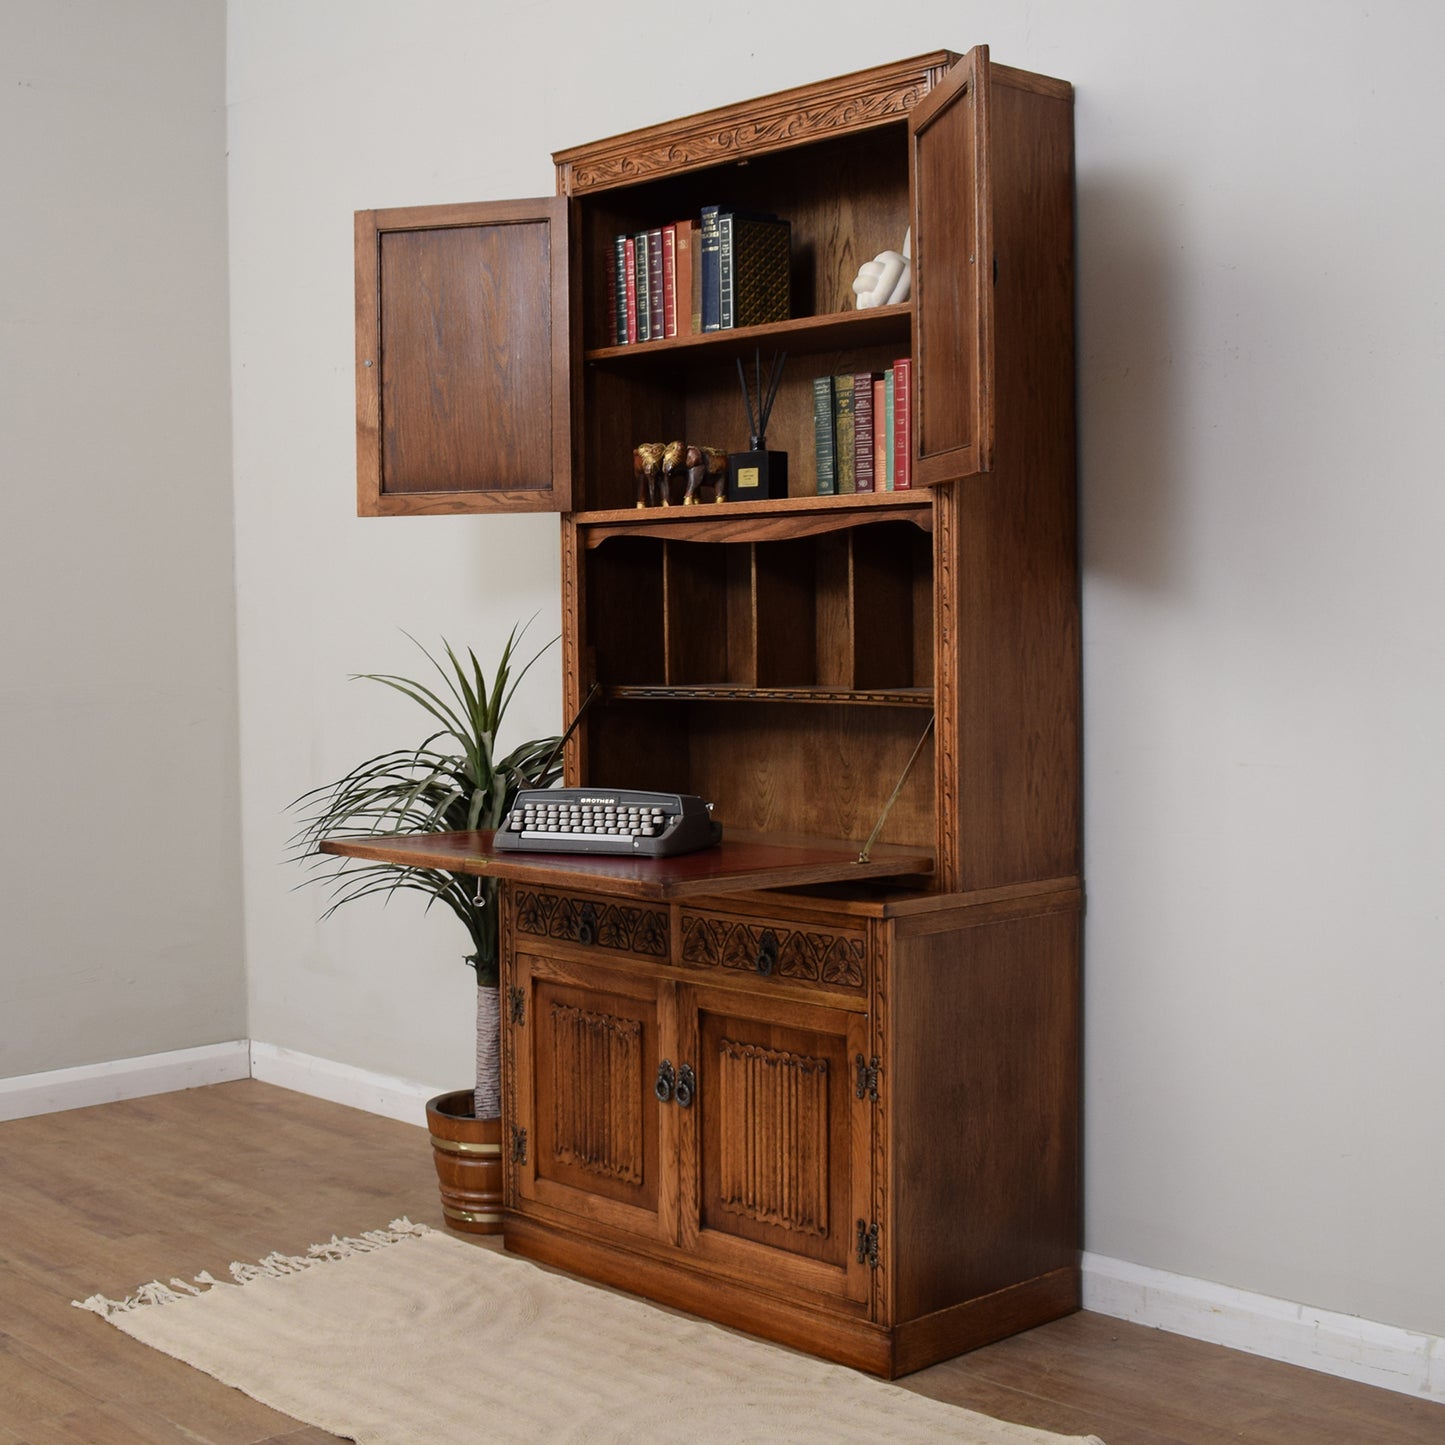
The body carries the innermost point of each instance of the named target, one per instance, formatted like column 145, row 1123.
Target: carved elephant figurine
column 647, row 470
column 706, row 466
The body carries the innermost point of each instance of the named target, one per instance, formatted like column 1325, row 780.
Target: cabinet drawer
column 628, row 928
column 801, row 952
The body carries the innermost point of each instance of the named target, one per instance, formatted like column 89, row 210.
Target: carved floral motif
column 709, row 143
column 619, row 926
column 814, row 957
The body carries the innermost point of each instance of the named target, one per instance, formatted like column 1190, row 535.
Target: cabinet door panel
column 781, row 1143
column 463, row 330
column 587, row 1061
column 953, row 275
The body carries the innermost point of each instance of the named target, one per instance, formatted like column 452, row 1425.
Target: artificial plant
column 453, row 780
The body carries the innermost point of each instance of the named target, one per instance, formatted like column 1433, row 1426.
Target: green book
column 843, row 433
column 824, row 457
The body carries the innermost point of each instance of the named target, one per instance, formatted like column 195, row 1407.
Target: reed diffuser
column 758, row 473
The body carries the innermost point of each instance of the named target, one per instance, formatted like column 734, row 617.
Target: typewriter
column 607, row 820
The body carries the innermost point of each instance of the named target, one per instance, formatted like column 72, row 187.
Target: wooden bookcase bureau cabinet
column 831, row 1102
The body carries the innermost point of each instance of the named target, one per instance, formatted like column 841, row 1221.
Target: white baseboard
column 78, row 1088
column 394, row 1098
column 1356, row 1349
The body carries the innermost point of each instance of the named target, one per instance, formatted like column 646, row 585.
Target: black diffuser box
column 757, row 476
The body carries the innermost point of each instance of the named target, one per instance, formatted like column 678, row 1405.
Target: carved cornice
column 816, row 112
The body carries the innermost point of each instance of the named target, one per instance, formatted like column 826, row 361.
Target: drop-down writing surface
column 739, row 863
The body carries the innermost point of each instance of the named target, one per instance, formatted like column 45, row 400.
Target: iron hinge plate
column 865, row 1082
column 868, row 1244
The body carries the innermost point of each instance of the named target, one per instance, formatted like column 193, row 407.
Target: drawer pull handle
column 587, row 926
column 666, row 1082
column 767, row 955
column 686, row 1086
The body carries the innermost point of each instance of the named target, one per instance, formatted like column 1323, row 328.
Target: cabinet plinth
column 823, row 1090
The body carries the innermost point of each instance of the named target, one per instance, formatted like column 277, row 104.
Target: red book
column 903, row 424
column 683, row 267
column 631, row 289
column 669, row 280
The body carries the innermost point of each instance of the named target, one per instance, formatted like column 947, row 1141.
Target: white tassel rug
column 406, row 1336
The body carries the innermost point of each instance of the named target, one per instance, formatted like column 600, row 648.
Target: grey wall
column 119, row 842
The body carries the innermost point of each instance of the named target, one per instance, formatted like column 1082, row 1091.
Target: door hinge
column 868, row 1244
column 519, row 1145
column 517, row 1004
column 866, row 1077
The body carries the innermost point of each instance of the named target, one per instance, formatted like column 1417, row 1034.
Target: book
column 617, row 295
column 863, row 430
column 669, row 280
column 889, row 383
column 880, row 432
column 694, row 274
column 843, row 433
column 654, row 284
column 903, row 424
column 711, row 240
column 823, row 455
column 644, row 300
column 630, row 281
column 754, row 269
column 684, row 243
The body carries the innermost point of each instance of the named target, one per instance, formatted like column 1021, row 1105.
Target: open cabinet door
column 463, row 359
column 953, row 275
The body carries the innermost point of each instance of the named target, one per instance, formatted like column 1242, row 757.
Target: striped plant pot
column 467, row 1152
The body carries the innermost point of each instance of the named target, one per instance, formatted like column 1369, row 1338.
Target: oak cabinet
column 822, row 1081
column 718, row 1120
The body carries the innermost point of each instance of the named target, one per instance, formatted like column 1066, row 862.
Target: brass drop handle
column 666, row 1082
column 686, row 1086
column 767, row 956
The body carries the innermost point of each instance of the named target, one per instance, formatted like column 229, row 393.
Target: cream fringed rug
column 406, row 1336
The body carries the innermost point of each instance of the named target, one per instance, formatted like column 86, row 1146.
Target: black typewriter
column 607, row 820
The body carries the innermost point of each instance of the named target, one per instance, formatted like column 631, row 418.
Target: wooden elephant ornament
column 647, row 470
column 656, row 466
column 706, row 467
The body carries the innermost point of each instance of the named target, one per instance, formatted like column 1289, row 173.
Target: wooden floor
column 100, row 1200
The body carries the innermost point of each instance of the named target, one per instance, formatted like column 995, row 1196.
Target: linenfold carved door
column 587, row 1062
column 776, row 1151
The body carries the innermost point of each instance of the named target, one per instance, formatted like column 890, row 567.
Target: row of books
column 727, row 268
column 862, row 430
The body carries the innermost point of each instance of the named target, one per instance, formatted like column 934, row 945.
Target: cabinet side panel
column 982, row 1092
column 1017, row 740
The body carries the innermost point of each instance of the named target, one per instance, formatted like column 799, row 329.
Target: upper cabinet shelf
column 836, row 331
column 757, row 521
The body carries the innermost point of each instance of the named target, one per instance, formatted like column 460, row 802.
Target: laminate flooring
column 99, row 1200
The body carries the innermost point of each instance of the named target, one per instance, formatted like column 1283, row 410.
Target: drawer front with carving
column 774, row 948
column 592, row 922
